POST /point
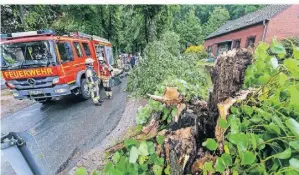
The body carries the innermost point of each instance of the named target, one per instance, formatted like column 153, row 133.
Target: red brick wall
column 242, row 34
column 285, row 24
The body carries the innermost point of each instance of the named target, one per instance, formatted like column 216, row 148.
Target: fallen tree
column 236, row 131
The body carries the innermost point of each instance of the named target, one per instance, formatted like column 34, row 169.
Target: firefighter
column 105, row 75
column 93, row 82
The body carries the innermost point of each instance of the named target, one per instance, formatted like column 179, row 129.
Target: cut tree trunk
column 227, row 77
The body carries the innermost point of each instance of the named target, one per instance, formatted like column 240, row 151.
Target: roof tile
column 252, row 18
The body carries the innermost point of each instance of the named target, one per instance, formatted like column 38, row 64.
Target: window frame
column 74, row 45
column 234, row 43
column 71, row 48
column 249, row 38
column 88, row 47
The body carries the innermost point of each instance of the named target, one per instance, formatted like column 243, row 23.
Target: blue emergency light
column 27, row 34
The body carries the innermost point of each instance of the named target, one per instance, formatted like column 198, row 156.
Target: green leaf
column 142, row 159
column 283, row 155
column 234, row 110
column 264, row 78
column 151, row 147
column 219, row 166
column 292, row 66
column 239, row 139
column 114, row 171
column 208, row 167
column 227, row 159
column 116, row 157
column 256, row 119
column 165, row 113
column 223, row 123
column 167, row 170
column 282, row 78
column 160, row 161
column 143, row 149
column 160, row 139
column 247, row 109
column 277, row 48
column 294, row 144
column 248, row 158
column 294, row 100
column 130, row 142
column 123, row 164
column 133, row 155
column 235, row 172
column 261, row 144
column 293, row 125
column 295, row 51
column 174, row 112
column 96, row 172
column 211, row 144
column 157, row 170
column 81, row 171
column 273, row 128
column 234, row 123
column 294, row 163
column 108, row 167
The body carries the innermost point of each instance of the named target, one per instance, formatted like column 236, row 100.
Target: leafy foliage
column 129, row 27
column 139, row 158
column 197, row 52
column 163, row 64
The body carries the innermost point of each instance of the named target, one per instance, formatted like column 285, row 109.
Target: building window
column 237, row 43
column 223, row 47
column 86, row 49
column 250, row 41
column 210, row 49
column 78, row 49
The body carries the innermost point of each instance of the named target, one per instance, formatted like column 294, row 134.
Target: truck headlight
column 15, row 94
column 55, row 80
column 59, row 91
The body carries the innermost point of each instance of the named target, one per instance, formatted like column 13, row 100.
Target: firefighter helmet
column 89, row 61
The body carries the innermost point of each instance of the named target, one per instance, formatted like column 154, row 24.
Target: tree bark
column 227, row 77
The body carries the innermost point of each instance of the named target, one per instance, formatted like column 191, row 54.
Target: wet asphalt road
column 66, row 128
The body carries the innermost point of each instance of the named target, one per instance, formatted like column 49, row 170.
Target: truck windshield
column 27, row 54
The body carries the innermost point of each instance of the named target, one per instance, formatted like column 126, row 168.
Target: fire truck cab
column 40, row 65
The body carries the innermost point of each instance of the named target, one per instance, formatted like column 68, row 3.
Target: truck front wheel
column 84, row 90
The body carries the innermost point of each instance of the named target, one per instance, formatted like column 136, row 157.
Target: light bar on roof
column 29, row 33
column 80, row 34
column 97, row 38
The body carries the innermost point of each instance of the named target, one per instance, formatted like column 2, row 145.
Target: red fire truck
column 40, row 65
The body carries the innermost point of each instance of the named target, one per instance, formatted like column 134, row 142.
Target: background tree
column 218, row 17
column 129, row 27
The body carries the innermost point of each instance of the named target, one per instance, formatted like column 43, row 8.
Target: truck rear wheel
column 84, row 90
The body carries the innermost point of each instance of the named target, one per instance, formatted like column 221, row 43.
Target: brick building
column 281, row 21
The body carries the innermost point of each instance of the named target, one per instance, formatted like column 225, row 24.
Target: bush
column 288, row 45
column 197, row 52
column 163, row 61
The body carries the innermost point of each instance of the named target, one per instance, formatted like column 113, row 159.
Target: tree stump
column 227, row 77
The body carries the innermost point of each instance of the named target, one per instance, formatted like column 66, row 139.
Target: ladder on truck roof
column 91, row 37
